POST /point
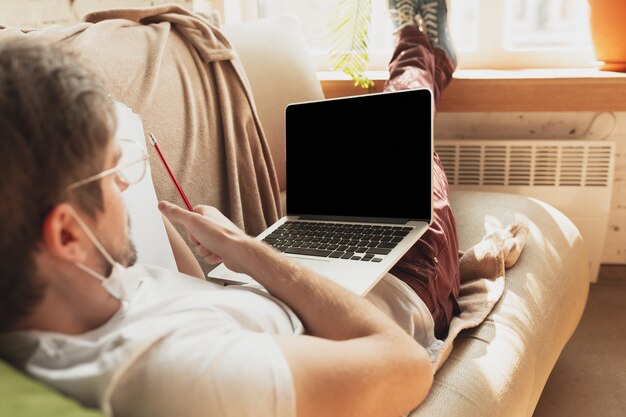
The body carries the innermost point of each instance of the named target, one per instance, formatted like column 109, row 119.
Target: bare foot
column 497, row 251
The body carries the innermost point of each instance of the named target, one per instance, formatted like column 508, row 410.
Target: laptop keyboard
column 332, row 240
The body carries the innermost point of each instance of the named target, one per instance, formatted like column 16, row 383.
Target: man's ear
column 62, row 236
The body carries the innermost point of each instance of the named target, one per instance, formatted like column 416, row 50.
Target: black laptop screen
column 365, row 156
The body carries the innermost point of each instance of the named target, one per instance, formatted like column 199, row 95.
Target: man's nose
column 121, row 183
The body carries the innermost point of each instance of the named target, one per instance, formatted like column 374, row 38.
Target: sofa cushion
column 23, row 396
column 280, row 74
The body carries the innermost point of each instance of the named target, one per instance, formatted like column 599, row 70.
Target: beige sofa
column 500, row 367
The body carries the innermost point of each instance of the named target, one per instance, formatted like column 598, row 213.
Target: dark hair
column 56, row 121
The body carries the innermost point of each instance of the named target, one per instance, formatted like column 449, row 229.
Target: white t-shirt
column 181, row 346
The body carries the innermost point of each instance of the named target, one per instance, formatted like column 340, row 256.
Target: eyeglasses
column 130, row 169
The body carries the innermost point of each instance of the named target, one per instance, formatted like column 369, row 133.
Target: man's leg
column 424, row 58
column 417, row 64
column 431, row 266
column 419, row 61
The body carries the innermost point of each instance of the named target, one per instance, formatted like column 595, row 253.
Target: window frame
column 492, row 53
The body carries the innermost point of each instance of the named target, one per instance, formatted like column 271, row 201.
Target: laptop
column 359, row 181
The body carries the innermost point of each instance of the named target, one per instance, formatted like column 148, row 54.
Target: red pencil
column 169, row 171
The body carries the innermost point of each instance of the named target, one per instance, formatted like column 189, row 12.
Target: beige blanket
column 181, row 75
column 477, row 298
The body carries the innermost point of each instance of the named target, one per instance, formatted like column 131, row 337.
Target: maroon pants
column 431, row 266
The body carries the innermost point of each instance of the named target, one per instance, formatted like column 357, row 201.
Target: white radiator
column 574, row 176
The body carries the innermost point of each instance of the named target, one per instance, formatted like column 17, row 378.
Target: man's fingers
column 192, row 239
column 202, row 251
column 175, row 213
column 212, row 259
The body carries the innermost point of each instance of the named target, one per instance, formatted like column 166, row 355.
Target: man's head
column 56, row 127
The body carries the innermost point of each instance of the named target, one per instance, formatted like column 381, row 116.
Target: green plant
column 349, row 37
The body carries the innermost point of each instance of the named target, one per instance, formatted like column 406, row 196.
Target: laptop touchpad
column 313, row 264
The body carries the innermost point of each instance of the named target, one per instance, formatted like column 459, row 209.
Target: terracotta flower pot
column 608, row 32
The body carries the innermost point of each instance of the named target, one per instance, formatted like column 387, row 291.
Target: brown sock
column 496, row 252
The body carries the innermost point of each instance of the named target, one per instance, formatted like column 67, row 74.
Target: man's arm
column 185, row 261
column 356, row 361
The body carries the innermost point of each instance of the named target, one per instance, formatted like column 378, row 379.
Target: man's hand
column 215, row 238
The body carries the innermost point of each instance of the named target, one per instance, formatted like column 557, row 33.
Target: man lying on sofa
column 138, row 340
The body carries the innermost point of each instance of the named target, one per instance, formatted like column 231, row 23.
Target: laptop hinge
column 355, row 219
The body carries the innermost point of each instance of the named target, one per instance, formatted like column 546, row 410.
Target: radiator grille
column 526, row 163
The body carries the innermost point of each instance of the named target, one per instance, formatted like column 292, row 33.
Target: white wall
column 555, row 125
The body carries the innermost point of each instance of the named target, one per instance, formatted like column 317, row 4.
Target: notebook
column 359, row 181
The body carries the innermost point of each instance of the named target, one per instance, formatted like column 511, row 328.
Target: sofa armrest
column 500, row 367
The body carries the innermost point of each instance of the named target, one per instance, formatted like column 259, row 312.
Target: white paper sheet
column 147, row 228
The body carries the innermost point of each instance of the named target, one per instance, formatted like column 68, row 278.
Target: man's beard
column 126, row 256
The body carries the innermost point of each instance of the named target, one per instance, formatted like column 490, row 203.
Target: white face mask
column 120, row 288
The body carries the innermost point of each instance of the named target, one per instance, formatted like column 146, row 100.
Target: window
column 522, row 33
column 487, row 33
